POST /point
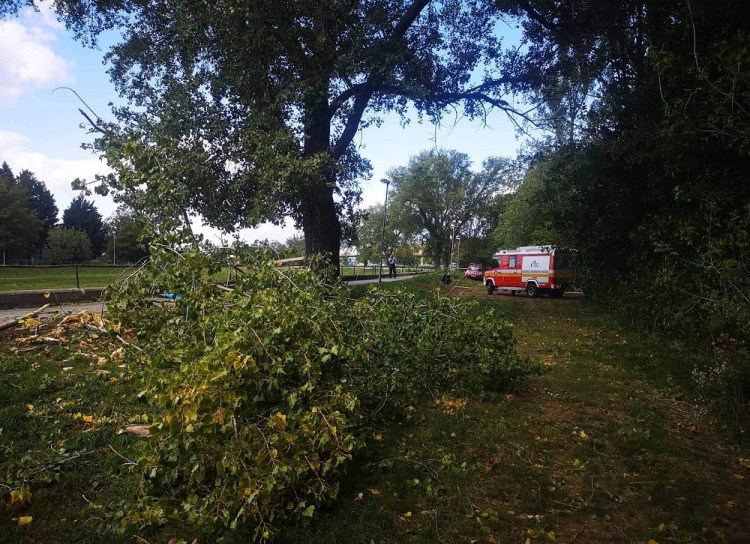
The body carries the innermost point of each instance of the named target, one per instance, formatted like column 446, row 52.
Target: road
column 6, row 315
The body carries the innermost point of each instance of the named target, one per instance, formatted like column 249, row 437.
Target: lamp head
column 386, row 181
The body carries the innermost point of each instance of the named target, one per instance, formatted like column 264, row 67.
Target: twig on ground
column 14, row 322
column 129, row 461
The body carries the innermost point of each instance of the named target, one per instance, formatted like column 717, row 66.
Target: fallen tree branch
column 14, row 322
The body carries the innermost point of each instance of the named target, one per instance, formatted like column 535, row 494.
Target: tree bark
column 321, row 225
column 320, row 221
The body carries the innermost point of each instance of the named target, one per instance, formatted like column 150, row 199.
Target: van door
column 535, row 268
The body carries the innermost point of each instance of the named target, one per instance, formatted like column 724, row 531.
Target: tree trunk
column 321, row 226
column 320, row 221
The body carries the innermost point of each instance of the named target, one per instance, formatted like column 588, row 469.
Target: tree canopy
column 32, row 198
column 127, row 236
column 20, row 227
column 66, row 245
column 437, row 197
column 83, row 215
column 39, row 198
column 248, row 112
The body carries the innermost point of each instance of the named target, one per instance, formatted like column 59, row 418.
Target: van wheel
column 490, row 287
column 532, row 290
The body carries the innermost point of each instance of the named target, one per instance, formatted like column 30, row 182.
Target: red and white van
column 534, row 269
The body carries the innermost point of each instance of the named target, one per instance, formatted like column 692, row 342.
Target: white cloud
column 56, row 173
column 265, row 231
column 27, row 59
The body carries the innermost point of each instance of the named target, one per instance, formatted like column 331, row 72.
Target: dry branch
column 14, row 322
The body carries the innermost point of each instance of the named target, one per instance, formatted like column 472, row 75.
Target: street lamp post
column 382, row 236
column 458, row 253
column 453, row 239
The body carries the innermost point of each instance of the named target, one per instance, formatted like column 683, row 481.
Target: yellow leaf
column 375, row 491
column 359, row 497
column 378, row 436
column 739, row 476
column 46, row 295
column 278, row 420
column 29, row 407
column 20, row 496
column 25, row 520
column 652, row 541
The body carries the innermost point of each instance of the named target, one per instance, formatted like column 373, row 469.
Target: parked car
column 474, row 271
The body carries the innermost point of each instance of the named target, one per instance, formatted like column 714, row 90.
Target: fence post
column 78, row 281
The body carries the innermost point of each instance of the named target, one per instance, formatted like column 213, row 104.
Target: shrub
column 264, row 391
column 66, row 245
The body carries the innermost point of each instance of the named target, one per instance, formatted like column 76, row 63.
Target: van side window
column 512, row 261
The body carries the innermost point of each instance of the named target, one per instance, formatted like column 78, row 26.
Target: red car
column 474, row 272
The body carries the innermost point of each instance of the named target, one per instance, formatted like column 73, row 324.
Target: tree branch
column 365, row 91
column 534, row 15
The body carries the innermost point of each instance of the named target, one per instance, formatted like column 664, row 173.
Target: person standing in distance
column 392, row 266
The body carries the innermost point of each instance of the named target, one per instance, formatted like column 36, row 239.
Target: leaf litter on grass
column 77, row 388
column 591, row 452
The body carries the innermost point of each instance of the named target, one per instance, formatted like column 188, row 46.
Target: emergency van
column 534, row 269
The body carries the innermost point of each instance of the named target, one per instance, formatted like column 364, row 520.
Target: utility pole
column 382, row 235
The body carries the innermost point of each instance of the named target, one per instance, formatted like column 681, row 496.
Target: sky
column 40, row 126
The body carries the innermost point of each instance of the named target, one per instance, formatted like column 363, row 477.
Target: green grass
column 609, row 446
column 26, row 278
column 23, row 278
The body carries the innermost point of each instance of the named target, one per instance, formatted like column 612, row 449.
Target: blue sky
column 39, row 128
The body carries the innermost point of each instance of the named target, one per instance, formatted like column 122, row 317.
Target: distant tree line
column 30, row 232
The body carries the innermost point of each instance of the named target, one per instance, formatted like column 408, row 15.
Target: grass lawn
column 22, row 278
column 608, row 446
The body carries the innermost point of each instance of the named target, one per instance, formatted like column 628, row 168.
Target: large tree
column 374, row 238
column 19, row 225
column 39, row 197
column 41, row 201
column 439, row 197
column 127, row 235
column 82, row 215
column 247, row 111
